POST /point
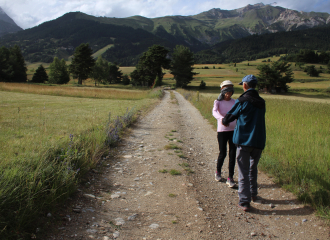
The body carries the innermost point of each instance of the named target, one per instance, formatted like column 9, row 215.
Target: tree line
column 308, row 56
column 148, row 72
column 12, row 65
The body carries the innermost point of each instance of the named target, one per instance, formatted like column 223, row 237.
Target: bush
column 126, row 79
column 202, row 85
column 311, row 71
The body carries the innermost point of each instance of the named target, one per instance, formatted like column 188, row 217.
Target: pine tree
column 151, row 65
column 58, row 72
column 17, row 68
column 182, row 66
column 82, row 62
column 114, row 75
column 40, row 76
column 5, row 69
column 275, row 75
column 100, row 70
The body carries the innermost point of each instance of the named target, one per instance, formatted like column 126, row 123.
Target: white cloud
column 29, row 13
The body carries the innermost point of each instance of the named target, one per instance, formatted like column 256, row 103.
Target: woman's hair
column 224, row 91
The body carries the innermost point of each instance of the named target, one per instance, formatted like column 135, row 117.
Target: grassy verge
column 297, row 150
column 47, row 144
column 83, row 92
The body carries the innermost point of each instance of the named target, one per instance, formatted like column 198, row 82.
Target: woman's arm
column 215, row 111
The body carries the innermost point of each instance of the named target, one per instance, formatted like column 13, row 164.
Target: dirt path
column 128, row 198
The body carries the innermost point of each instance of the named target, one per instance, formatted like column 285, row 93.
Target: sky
column 30, row 13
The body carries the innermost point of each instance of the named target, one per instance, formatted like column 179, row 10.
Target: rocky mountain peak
column 7, row 24
column 4, row 17
column 249, row 7
column 214, row 13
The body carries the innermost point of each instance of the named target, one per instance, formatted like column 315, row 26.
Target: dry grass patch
column 104, row 93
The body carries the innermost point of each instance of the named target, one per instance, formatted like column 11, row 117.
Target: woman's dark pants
column 223, row 138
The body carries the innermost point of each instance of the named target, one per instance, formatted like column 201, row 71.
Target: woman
column 225, row 134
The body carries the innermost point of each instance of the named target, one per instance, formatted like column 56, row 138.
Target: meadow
column 48, row 143
column 297, row 151
column 50, row 136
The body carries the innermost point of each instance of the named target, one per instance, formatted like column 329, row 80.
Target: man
column 250, row 138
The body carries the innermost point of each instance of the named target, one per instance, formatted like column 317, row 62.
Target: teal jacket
column 249, row 110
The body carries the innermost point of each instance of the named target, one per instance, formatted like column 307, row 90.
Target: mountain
column 7, row 25
column 127, row 38
column 217, row 25
column 266, row 45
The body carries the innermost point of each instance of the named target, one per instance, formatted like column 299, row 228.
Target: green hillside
column 209, row 33
column 266, row 45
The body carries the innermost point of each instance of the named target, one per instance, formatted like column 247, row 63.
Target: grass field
column 103, row 50
column 51, row 135
column 48, row 143
column 297, row 149
column 83, row 92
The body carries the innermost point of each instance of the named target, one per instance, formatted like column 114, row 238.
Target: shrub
column 202, row 85
column 126, row 79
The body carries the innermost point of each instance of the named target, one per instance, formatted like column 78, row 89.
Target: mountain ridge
column 133, row 35
column 7, row 25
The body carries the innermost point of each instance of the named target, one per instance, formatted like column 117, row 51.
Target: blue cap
column 249, row 78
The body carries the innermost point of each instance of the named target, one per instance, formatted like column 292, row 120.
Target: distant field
column 216, row 73
column 84, row 92
column 31, row 121
column 102, row 50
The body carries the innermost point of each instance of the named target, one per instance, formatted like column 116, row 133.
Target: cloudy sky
column 29, row 13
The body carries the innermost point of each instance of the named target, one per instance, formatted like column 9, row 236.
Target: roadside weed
column 175, row 172
column 184, row 164
column 171, row 146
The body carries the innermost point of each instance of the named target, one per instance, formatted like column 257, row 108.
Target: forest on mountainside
column 59, row 38
column 266, row 45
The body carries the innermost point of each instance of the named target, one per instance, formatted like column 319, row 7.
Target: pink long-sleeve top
column 220, row 109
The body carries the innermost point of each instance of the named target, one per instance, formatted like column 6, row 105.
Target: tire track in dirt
column 130, row 199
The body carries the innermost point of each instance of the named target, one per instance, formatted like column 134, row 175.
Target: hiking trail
column 134, row 196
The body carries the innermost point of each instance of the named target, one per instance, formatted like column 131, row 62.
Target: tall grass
column 47, row 144
column 102, row 93
column 297, row 149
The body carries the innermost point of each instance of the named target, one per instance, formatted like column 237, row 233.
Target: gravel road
column 133, row 195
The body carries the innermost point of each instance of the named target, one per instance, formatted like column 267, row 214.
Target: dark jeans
column 223, row 138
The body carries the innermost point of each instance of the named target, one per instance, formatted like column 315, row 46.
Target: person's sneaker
column 245, row 207
column 218, row 177
column 230, row 182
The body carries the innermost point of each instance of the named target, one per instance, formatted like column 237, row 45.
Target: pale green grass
column 127, row 70
column 298, row 142
column 84, row 92
column 293, row 97
column 47, row 144
column 297, row 148
column 31, row 121
column 102, row 50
